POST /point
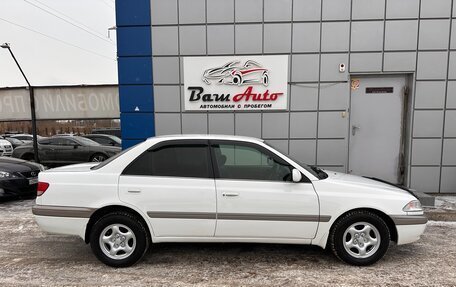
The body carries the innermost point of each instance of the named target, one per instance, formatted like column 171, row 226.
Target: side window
column 55, row 141
column 102, row 141
column 68, row 142
column 174, row 159
column 44, row 142
column 248, row 161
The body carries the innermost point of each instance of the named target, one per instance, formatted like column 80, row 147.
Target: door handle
column 354, row 128
column 230, row 194
column 134, row 191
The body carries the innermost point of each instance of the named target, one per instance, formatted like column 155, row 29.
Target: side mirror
column 296, row 175
column 75, row 146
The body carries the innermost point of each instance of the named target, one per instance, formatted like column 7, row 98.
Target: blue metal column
column 134, row 51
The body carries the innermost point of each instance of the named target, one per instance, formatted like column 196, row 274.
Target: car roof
column 204, row 136
column 98, row 135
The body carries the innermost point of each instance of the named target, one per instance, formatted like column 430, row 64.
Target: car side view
column 209, row 188
column 234, row 74
column 65, row 149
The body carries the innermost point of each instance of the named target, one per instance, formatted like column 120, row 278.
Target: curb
column 440, row 215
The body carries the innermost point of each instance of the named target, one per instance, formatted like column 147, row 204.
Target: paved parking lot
column 29, row 257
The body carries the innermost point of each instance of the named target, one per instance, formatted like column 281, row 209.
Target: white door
column 376, row 126
column 173, row 184
column 256, row 197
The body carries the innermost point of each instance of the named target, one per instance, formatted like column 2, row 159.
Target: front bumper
column 17, row 187
column 6, row 153
column 409, row 228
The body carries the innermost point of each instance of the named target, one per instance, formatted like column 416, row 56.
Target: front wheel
column 360, row 238
column 119, row 239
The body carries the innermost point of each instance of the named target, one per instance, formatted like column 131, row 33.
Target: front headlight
column 413, row 206
column 7, row 175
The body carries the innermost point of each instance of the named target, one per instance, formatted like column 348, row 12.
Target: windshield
column 116, row 139
column 315, row 171
column 14, row 141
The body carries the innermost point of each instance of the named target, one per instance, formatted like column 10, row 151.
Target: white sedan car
column 207, row 188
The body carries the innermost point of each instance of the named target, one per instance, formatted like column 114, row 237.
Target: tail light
column 42, row 187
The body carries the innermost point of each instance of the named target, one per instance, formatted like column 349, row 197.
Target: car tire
column 265, row 79
column 359, row 238
column 237, row 80
column 119, row 239
column 98, row 157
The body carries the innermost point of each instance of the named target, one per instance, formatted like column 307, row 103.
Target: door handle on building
column 354, row 128
column 230, row 194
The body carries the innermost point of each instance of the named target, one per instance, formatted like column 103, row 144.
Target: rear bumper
column 19, row 187
column 62, row 225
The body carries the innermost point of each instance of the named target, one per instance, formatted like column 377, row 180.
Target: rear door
column 47, row 150
column 173, row 184
column 256, row 197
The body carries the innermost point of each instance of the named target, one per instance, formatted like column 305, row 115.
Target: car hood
column 4, row 142
column 17, row 165
column 359, row 181
column 74, row 167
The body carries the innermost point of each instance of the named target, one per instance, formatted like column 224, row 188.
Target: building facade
column 371, row 83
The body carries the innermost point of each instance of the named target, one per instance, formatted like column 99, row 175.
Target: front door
column 376, row 126
column 173, row 184
column 256, row 197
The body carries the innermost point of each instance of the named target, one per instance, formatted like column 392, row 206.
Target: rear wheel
column 98, row 157
column 119, row 239
column 360, row 238
column 237, row 80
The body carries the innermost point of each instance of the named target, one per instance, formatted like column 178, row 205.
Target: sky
column 69, row 44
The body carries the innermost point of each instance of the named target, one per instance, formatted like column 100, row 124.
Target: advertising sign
column 236, row 83
column 60, row 103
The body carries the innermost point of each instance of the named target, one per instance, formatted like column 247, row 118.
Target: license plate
column 33, row 181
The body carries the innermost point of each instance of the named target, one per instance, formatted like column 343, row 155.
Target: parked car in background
column 66, row 150
column 108, row 131
column 18, row 178
column 26, row 138
column 13, row 141
column 6, row 148
column 108, row 140
column 194, row 188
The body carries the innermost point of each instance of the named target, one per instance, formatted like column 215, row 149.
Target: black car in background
column 18, row 178
column 64, row 150
column 107, row 140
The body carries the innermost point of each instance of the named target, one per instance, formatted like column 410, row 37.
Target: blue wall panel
column 134, row 41
column 137, row 125
column 134, row 50
column 132, row 12
column 135, row 70
column 129, row 143
column 140, row 96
